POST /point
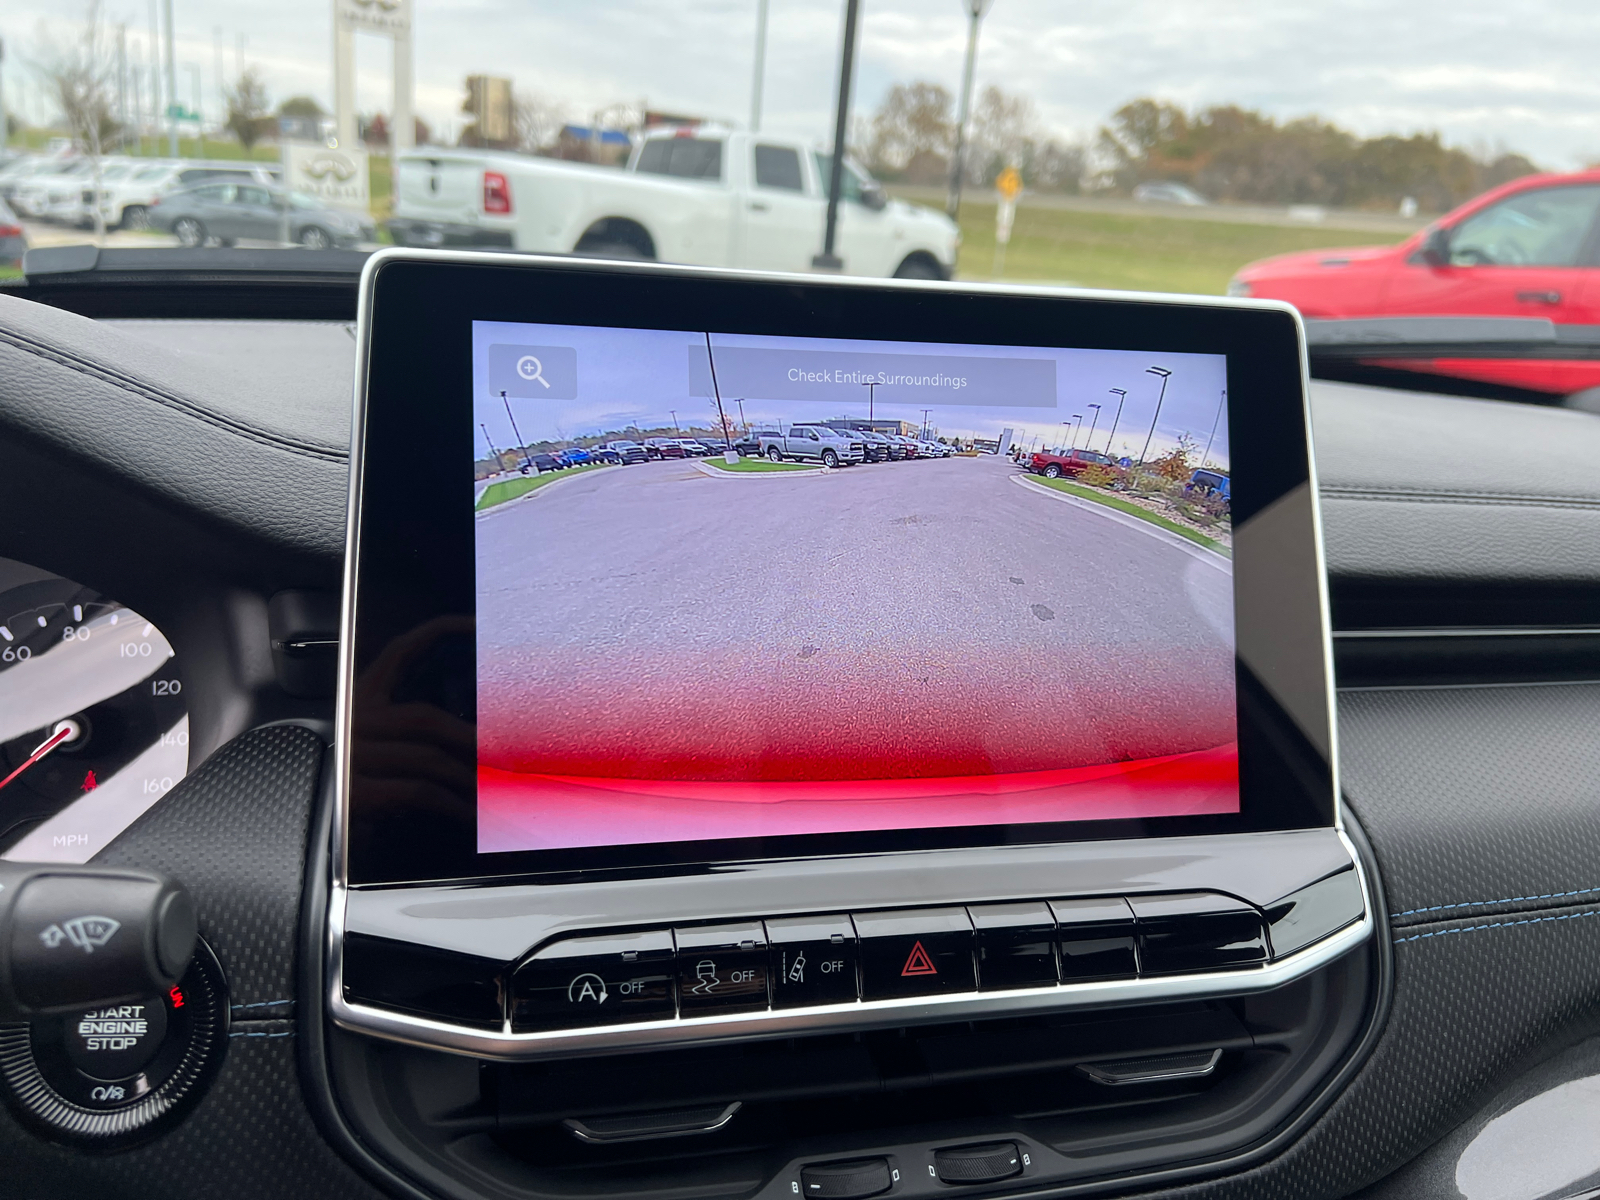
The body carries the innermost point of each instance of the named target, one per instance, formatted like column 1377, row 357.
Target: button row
column 790, row 962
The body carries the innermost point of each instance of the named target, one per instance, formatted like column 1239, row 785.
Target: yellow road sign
column 1008, row 183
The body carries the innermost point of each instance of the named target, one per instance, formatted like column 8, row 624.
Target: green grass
column 1135, row 510
column 750, row 466
column 510, row 489
column 1114, row 250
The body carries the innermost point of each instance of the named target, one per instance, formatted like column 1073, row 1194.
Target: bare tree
column 247, row 107
column 912, row 132
column 1003, row 132
column 80, row 76
column 536, row 121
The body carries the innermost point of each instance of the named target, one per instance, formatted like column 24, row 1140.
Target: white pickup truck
column 702, row 196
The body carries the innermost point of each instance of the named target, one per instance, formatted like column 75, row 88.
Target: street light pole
column 828, row 260
column 975, row 11
column 761, row 66
column 1078, row 419
column 522, row 446
column 743, row 424
column 674, row 413
column 872, row 391
column 493, row 453
column 1221, row 404
column 1165, row 375
column 1121, row 394
column 1088, row 442
column 172, row 86
column 925, row 413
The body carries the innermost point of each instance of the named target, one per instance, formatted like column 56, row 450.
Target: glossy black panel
column 1197, row 932
column 605, row 980
column 921, row 952
column 1016, row 945
column 1095, row 939
column 813, row 960
column 722, row 968
column 1314, row 912
column 412, row 641
column 459, row 988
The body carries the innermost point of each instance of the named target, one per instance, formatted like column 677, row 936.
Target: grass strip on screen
column 1135, row 510
column 755, row 465
column 511, row 489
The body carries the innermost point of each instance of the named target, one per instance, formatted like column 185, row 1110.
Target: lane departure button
column 916, row 952
column 603, row 980
column 813, row 960
column 722, row 969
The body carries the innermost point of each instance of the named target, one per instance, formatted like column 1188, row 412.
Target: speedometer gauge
column 93, row 724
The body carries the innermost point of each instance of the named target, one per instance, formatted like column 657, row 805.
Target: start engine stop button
column 117, row 1041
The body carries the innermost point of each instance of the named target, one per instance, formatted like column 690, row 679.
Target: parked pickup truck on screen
column 821, row 443
column 707, row 197
column 1054, row 464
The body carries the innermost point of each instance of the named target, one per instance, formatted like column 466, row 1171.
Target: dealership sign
column 334, row 176
column 379, row 16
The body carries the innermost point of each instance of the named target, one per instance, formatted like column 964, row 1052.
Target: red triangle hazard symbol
column 918, row 962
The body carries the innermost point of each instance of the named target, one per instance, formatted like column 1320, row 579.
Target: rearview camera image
column 736, row 586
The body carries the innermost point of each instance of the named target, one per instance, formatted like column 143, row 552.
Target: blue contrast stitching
column 260, row 1004
column 1417, row 937
column 250, row 1033
column 1411, row 912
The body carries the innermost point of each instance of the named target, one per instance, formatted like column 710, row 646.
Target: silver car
column 225, row 212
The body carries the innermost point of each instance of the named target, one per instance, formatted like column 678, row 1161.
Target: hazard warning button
column 915, row 952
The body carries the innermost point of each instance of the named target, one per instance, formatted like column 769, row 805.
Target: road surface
column 895, row 621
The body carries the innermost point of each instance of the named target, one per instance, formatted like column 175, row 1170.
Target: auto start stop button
column 116, row 1041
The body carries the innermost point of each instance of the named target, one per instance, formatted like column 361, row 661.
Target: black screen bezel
column 412, row 520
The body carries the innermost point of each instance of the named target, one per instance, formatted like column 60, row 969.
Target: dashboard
column 419, row 993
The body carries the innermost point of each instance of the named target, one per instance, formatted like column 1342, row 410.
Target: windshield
column 1213, row 148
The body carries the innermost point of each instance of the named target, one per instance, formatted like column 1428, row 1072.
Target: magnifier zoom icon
column 531, row 369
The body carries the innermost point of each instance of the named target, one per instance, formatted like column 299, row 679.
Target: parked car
column 226, row 212
column 692, row 447
column 540, row 463
column 13, row 242
column 574, row 456
column 1167, row 192
column 749, row 444
column 664, row 447
column 1208, row 483
column 713, row 445
column 626, row 451
column 126, row 204
column 54, row 181
column 605, row 454
column 705, row 196
column 822, row 443
column 1053, row 464
column 1521, row 250
column 934, row 449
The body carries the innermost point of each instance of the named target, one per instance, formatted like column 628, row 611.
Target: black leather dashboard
column 1480, row 800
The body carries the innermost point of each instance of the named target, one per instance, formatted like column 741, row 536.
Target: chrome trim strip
column 1098, row 1073
column 584, row 1134
column 506, row 1045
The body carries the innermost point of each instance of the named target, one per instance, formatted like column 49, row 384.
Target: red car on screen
column 1054, row 464
column 1530, row 248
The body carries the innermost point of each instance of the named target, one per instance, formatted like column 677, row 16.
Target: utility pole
column 1121, row 394
column 172, row 88
column 1221, row 404
column 521, row 446
column 975, row 11
column 758, row 82
column 828, row 260
column 1165, row 375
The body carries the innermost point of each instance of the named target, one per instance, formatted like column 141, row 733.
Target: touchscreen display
column 737, row 586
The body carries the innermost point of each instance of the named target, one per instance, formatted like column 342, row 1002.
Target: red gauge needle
column 64, row 731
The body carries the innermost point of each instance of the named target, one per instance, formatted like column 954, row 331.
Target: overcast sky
column 1485, row 73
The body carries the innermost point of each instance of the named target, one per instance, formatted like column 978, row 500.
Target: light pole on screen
column 975, row 10
column 743, row 424
column 1077, row 419
column 1221, row 404
column 1088, row 442
column 925, row 413
column 872, row 390
column 674, row 413
column 1165, row 375
column 494, row 454
column 1121, row 394
column 520, row 445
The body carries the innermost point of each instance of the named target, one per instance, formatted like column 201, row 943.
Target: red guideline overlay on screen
column 672, row 652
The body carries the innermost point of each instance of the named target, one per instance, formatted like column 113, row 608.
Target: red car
column 1053, row 465
column 1528, row 249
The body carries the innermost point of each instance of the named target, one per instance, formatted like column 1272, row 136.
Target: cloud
column 1481, row 74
